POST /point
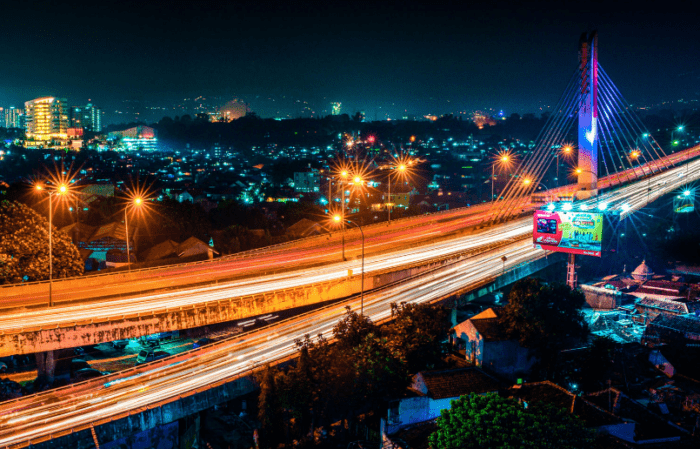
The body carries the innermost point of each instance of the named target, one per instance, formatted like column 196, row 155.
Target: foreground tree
column 24, row 247
column 494, row 422
column 543, row 317
column 418, row 332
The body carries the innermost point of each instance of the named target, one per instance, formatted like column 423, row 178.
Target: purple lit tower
column 588, row 116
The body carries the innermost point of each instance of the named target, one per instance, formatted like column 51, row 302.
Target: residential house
column 305, row 228
column 171, row 249
column 673, row 330
column 430, row 393
column 486, row 345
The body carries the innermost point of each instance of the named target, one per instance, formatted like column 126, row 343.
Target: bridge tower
column 588, row 116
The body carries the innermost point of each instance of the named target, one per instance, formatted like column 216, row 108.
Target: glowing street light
column 337, row 219
column 135, row 202
column 566, row 150
column 401, row 168
column 61, row 190
column 503, row 159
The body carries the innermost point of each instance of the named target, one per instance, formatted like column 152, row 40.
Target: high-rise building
column 87, row 117
column 336, row 107
column 46, row 119
column 14, row 117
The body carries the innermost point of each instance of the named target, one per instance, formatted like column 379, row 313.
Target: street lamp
column 136, row 202
column 503, row 159
column 337, row 218
column 566, row 150
column 62, row 189
column 401, row 169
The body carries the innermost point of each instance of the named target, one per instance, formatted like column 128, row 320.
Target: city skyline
column 383, row 60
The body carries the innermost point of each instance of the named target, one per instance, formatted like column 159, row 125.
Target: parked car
column 88, row 373
column 202, row 342
column 159, row 336
column 120, row 344
column 149, row 355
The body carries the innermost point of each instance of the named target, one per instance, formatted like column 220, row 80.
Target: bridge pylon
column 588, row 116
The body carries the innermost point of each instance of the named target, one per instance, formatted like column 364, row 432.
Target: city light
column 602, row 206
column 566, row 206
column 625, row 207
column 551, row 207
column 635, row 154
column 526, row 181
column 686, row 193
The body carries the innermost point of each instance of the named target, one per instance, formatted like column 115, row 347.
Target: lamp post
column 136, row 203
column 503, row 159
column 527, row 182
column 567, row 152
column 402, row 169
column 60, row 190
column 337, row 218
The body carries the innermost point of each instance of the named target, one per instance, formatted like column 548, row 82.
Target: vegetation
column 367, row 366
column 544, row 318
column 24, row 247
column 495, row 422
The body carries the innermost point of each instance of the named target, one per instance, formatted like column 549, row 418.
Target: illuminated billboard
column 568, row 232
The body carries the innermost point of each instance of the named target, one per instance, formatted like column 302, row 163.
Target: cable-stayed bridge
column 439, row 255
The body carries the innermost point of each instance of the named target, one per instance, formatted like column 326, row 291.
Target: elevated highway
column 91, row 322
column 60, row 413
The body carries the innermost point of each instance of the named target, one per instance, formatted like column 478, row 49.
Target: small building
column 171, row 249
column 486, row 345
column 650, row 308
column 305, row 228
column 433, row 391
column 673, row 330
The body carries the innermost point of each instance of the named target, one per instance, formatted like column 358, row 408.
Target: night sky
column 420, row 58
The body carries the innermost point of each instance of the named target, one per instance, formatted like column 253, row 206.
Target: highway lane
column 60, row 410
column 53, row 411
column 102, row 310
column 631, row 196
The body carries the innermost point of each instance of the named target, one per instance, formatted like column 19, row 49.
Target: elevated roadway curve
column 310, row 252
column 34, row 330
column 56, row 413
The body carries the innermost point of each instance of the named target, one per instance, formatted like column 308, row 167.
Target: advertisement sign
column 568, row 232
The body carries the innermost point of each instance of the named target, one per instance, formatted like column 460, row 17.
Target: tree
column 24, row 247
column 542, row 317
column 418, row 332
column 352, row 329
column 494, row 422
column 268, row 408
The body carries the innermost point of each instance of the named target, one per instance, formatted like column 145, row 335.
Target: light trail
column 77, row 407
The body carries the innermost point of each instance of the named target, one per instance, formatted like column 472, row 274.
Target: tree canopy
column 543, row 316
column 24, row 247
column 494, row 422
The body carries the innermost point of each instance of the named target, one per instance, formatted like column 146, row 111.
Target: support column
column 46, row 365
column 571, row 278
column 588, row 116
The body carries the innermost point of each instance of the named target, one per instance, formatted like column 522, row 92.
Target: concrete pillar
column 46, row 365
column 588, row 115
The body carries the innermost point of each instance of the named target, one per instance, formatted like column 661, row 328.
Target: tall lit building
column 14, row 117
column 336, row 107
column 87, row 117
column 46, row 119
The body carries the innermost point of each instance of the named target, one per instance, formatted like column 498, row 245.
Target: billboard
column 568, row 232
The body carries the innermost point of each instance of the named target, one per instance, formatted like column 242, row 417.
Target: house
column 193, row 246
column 486, row 345
column 639, row 425
column 546, row 391
column 650, row 308
column 79, row 232
column 672, row 329
column 431, row 392
column 305, row 228
column 171, row 249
